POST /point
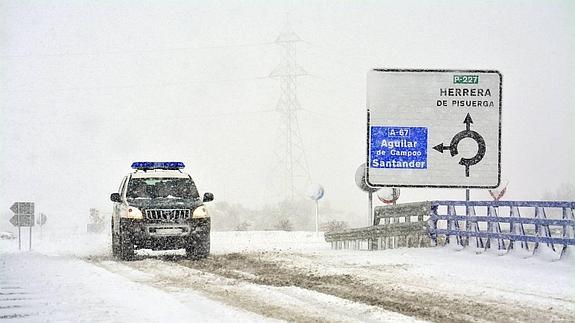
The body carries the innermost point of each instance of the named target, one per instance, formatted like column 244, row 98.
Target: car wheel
column 126, row 247
column 198, row 247
column 114, row 242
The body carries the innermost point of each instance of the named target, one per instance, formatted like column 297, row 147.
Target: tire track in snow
column 397, row 275
column 264, row 268
column 289, row 303
column 15, row 298
column 240, row 279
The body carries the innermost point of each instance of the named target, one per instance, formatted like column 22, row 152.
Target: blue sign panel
column 398, row 147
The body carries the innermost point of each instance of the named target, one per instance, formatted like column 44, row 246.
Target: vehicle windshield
column 162, row 187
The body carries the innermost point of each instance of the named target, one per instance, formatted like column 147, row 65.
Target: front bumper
column 167, row 235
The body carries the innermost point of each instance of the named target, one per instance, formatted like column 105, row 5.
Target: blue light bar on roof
column 157, row 165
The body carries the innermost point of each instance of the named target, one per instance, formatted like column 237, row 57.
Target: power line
column 343, row 119
column 332, row 50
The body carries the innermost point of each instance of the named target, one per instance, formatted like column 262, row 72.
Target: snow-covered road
column 39, row 288
column 267, row 276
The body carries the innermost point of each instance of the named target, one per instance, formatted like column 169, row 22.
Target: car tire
column 198, row 247
column 126, row 247
column 114, row 242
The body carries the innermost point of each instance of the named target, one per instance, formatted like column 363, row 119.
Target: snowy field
column 268, row 276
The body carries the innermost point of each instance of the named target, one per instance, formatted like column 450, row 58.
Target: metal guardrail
column 527, row 233
column 401, row 225
column 498, row 224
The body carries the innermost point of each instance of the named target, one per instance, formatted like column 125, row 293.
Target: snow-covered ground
column 266, row 276
column 40, row 288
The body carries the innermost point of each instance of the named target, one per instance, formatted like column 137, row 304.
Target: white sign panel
column 434, row 128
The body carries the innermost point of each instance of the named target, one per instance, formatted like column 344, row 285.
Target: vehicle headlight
column 200, row 212
column 131, row 213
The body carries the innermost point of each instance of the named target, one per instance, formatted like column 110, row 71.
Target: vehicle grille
column 168, row 214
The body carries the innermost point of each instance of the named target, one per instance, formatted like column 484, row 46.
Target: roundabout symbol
column 467, row 133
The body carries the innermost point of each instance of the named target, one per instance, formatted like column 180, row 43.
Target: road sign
column 22, row 207
column 360, row 180
column 23, row 220
column 42, row 219
column 23, row 217
column 498, row 193
column 388, row 195
column 434, row 128
column 23, row 214
column 315, row 192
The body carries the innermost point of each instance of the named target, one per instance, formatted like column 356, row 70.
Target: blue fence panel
column 494, row 214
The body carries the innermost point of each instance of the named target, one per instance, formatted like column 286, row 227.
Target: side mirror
column 115, row 197
column 208, row 197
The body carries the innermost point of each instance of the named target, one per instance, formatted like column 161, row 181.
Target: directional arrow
column 468, row 121
column 467, row 133
column 22, row 221
column 441, row 148
column 14, row 220
column 22, row 208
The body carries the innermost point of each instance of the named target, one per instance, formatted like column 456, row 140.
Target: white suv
column 158, row 207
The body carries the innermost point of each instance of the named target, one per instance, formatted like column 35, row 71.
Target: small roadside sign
column 23, row 214
column 434, row 128
column 42, row 219
column 22, row 207
column 22, row 220
column 23, row 217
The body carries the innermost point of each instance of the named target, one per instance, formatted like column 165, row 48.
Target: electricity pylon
column 290, row 154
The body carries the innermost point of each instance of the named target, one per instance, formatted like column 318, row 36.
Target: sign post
column 362, row 184
column 316, row 192
column 41, row 221
column 434, row 128
column 19, row 228
column 23, row 217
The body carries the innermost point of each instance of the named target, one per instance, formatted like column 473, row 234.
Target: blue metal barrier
column 504, row 212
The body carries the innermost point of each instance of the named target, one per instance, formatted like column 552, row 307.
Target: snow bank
column 241, row 241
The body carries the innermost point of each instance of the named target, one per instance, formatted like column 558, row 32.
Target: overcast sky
column 87, row 87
